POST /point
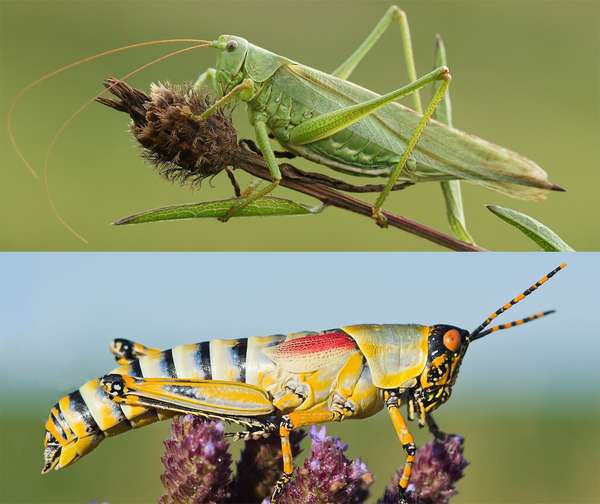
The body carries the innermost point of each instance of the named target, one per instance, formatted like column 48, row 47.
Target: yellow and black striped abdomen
column 80, row 420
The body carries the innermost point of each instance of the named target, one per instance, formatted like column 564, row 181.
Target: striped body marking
column 79, row 421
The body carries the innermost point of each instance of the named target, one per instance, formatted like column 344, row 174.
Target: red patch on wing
column 332, row 341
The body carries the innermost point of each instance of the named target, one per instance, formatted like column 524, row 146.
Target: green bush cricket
column 328, row 119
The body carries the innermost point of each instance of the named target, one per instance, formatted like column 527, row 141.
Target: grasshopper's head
column 446, row 348
column 65, row 441
column 448, row 344
column 230, row 62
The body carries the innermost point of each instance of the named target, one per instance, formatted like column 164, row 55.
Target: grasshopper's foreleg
column 433, row 427
column 296, row 420
column 393, row 14
column 125, row 351
column 392, row 403
column 262, row 139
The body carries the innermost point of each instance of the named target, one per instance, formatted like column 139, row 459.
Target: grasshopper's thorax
column 446, row 348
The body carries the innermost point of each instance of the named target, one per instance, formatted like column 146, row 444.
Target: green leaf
column 450, row 189
column 538, row 232
column 454, row 210
column 264, row 207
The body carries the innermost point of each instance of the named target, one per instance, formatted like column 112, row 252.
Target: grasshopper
column 274, row 383
column 329, row 120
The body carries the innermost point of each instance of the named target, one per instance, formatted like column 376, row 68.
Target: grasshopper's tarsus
column 279, row 487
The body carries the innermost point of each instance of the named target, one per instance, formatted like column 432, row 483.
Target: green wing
column 443, row 153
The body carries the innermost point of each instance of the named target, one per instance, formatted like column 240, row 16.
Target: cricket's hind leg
column 397, row 15
column 393, row 14
column 327, row 124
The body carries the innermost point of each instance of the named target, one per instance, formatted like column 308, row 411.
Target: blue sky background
column 60, row 311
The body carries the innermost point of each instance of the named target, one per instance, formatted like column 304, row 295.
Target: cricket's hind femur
column 166, row 124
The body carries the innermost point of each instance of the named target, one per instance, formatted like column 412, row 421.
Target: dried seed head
column 184, row 148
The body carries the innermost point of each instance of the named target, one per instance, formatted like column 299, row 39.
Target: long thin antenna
column 76, row 113
column 514, row 323
column 31, row 85
column 476, row 333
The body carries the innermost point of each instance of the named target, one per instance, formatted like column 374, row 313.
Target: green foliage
column 264, row 207
column 547, row 239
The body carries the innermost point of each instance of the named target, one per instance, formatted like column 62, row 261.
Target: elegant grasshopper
column 332, row 121
column 275, row 383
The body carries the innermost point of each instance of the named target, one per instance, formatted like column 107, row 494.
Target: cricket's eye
column 452, row 340
column 232, row 45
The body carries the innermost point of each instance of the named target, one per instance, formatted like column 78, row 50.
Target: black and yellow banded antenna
column 479, row 332
column 514, row 323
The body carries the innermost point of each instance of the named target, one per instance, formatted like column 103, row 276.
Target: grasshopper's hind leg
column 126, row 351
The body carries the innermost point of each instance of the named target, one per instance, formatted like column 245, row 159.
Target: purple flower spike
column 196, row 461
column 260, row 467
column 438, row 466
column 328, row 475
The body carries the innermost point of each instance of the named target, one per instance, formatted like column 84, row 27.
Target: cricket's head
column 448, row 344
column 230, row 61
column 66, row 441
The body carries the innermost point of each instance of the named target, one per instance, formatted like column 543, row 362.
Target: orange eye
column 452, row 340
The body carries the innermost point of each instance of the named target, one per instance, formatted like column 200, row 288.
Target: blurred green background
column 526, row 400
column 525, row 76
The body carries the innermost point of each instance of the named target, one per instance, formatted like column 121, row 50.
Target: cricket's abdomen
column 346, row 151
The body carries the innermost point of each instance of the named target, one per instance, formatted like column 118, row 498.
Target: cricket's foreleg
column 393, row 14
column 125, row 351
column 295, row 420
column 243, row 90
column 262, row 139
column 207, row 81
column 410, row 146
column 408, row 443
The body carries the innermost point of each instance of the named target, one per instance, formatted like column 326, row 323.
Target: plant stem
column 255, row 165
